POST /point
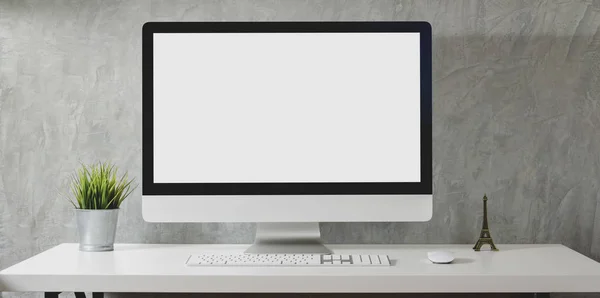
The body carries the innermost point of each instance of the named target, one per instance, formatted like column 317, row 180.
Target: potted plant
column 97, row 194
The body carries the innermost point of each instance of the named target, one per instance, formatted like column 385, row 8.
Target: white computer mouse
column 440, row 257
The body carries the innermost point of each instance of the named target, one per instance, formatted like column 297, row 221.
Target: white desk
column 160, row 268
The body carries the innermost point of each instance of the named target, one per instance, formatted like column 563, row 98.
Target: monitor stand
column 288, row 238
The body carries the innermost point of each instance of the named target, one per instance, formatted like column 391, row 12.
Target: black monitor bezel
column 149, row 187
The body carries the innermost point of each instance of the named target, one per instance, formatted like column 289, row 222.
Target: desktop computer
column 287, row 124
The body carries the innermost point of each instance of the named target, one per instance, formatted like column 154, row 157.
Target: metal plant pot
column 97, row 229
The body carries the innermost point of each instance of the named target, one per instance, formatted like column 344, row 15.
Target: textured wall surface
column 516, row 115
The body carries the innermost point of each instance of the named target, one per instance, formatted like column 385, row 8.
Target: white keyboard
column 292, row 260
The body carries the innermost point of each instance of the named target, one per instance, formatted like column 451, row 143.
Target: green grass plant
column 97, row 186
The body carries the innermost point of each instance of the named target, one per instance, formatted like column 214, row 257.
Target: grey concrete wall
column 516, row 115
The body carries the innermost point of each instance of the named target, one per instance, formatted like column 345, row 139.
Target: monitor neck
column 290, row 238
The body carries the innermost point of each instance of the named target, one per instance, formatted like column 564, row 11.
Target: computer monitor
column 287, row 124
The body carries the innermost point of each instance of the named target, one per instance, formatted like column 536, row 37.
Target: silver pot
column 97, row 229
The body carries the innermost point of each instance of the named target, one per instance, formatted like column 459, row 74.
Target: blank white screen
column 286, row 107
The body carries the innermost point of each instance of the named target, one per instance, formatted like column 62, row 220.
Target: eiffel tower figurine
column 485, row 237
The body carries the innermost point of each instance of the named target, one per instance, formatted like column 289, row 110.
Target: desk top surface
column 160, row 268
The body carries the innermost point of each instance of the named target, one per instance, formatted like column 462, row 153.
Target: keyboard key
column 365, row 260
column 384, row 259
